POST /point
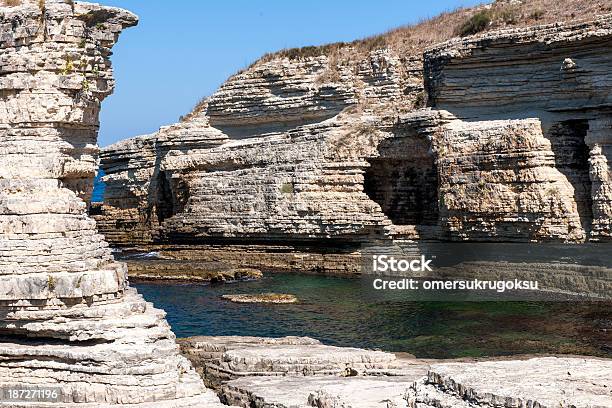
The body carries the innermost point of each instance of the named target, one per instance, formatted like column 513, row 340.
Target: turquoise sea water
column 340, row 311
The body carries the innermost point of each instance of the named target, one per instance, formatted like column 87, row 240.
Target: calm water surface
column 339, row 311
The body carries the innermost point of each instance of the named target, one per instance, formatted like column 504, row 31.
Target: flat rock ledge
column 535, row 382
column 299, row 372
column 275, row 298
column 147, row 269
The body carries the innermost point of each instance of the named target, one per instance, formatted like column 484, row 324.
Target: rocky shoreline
column 296, row 163
column 296, row 372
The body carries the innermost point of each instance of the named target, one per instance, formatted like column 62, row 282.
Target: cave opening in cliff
column 403, row 180
column 572, row 160
column 171, row 196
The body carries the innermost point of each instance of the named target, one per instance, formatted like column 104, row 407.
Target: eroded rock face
column 68, row 319
column 559, row 74
column 271, row 157
column 306, row 150
column 498, row 180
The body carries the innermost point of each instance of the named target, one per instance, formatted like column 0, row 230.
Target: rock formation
column 301, row 372
column 267, row 158
column 305, row 152
column 534, row 382
column 252, row 372
column 69, row 322
column 559, row 75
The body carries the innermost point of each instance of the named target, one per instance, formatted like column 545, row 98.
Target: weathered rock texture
column 308, row 151
column 269, row 158
column 299, row 372
column 536, row 382
column 68, row 319
column 545, row 182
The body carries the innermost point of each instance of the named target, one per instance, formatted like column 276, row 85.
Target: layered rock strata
column 300, row 372
column 273, row 159
column 308, row 152
column 557, row 74
column 70, row 325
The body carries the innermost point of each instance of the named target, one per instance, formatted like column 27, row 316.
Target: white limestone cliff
column 68, row 319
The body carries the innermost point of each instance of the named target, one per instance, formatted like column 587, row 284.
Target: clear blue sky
column 182, row 50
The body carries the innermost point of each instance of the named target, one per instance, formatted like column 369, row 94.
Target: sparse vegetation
column 197, row 109
column 93, row 18
column 509, row 15
column 475, row 24
column 287, row 188
column 331, row 72
column 69, row 67
column 51, row 283
column 413, row 39
column 536, row 15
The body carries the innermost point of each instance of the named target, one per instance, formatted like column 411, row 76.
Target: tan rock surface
column 306, row 151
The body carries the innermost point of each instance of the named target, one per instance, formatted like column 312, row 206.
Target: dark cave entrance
column 403, row 180
column 171, row 196
column 572, row 159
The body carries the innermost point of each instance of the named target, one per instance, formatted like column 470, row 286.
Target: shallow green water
column 341, row 311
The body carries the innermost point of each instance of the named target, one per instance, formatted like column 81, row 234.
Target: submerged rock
column 277, row 298
column 191, row 271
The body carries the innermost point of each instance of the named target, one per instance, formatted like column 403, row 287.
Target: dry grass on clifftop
column 414, row 39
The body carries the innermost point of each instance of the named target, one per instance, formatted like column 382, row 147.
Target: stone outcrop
column 299, row 152
column 300, row 372
column 498, row 180
column 251, row 372
column 69, row 322
column 236, row 171
column 274, row 298
column 559, row 74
